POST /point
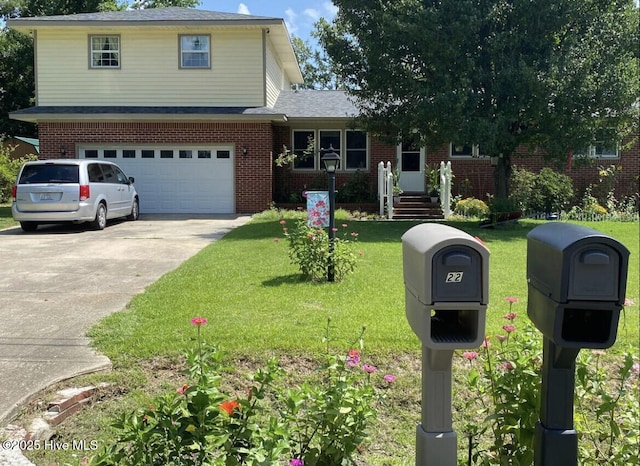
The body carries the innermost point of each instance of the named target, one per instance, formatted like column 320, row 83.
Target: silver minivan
column 72, row 190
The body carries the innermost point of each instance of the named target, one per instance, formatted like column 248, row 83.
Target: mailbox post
column 577, row 281
column 446, row 276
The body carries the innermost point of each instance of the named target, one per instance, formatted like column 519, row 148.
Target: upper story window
column 105, row 51
column 465, row 150
column 194, row 52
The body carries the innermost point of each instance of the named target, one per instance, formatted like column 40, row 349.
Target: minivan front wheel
column 28, row 226
column 101, row 217
column 135, row 210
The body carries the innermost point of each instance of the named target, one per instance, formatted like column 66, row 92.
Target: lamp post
column 331, row 161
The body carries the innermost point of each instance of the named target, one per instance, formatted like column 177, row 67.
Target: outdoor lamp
column 331, row 160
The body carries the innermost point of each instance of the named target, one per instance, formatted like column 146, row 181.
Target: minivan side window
column 122, row 178
column 109, row 175
column 95, row 173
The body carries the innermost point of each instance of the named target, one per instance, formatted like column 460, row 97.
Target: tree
column 17, row 85
column 553, row 74
column 315, row 66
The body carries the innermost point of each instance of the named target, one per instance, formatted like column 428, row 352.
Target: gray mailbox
column 446, row 276
column 577, row 280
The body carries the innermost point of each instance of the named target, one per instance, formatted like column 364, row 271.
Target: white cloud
column 331, row 9
column 312, row 13
column 243, row 9
column 290, row 20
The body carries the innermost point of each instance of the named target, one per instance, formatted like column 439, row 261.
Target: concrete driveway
column 56, row 283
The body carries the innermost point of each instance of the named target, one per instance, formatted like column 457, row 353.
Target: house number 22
column 454, row 277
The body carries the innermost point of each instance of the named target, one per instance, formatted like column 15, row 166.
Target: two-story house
column 196, row 104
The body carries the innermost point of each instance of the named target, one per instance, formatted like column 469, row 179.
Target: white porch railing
column 385, row 189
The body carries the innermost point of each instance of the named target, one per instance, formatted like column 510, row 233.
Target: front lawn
column 258, row 307
column 6, row 220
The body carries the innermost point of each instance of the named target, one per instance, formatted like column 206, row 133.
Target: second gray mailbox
column 577, row 281
column 446, row 276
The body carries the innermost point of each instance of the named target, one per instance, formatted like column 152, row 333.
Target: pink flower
column 628, row 302
column 501, row 338
column 507, row 366
column 470, row 355
column 182, row 389
column 511, row 299
column 344, row 225
column 389, row 378
column 510, row 316
column 598, row 352
column 198, row 321
column 486, row 343
column 283, row 222
column 334, row 229
column 285, row 229
column 353, row 357
column 296, row 462
column 509, row 328
column 277, row 240
column 636, row 368
column 369, row 369
column 354, row 234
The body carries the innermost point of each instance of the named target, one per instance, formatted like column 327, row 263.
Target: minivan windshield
column 52, row 173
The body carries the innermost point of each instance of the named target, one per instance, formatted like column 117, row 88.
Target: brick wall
column 473, row 177
column 253, row 172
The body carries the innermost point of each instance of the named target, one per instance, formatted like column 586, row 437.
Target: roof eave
column 126, row 117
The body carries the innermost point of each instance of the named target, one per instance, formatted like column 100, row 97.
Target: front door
column 411, row 167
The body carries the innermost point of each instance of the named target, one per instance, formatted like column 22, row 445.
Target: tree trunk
column 501, row 176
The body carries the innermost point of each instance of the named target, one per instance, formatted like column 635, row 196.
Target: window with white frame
column 465, row 150
column 194, row 51
column 104, row 51
column 599, row 150
column 356, row 150
column 301, row 142
column 350, row 145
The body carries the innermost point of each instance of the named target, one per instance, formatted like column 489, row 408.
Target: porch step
column 414, row 206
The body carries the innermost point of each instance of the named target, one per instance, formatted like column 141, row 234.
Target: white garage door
column 172, row 180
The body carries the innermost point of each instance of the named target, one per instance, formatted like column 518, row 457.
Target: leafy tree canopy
column 555, row 74
column 315, row 66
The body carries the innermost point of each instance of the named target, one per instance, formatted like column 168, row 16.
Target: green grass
column 6, row 220
column 256, row 303
column 258, row 307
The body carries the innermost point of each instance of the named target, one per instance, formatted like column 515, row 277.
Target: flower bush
column 472, row 207
column 321, row 422
column 309, row 250
column 507, row 385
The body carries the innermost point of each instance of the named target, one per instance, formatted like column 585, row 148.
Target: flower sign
column 318, row 209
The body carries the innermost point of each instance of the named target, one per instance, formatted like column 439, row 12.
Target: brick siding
column 253, row 172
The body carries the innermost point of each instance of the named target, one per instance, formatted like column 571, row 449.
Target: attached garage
column 169, row 179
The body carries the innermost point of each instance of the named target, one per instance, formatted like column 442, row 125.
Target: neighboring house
column 21, row 146
column 196, row 105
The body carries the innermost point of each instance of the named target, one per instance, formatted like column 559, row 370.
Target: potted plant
column 397, row 190
column 432, row 180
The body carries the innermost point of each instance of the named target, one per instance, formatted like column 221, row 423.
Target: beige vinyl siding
column 276, row 79
column 149, row 71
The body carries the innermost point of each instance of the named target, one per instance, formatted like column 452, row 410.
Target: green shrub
column 548, row 191
column 356, row 189
column 9, row 168
column 522, row 187
column 472, row 207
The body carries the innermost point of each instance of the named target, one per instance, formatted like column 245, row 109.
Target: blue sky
column 299, row 15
